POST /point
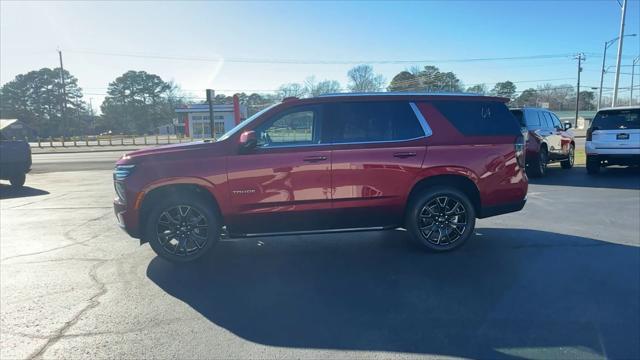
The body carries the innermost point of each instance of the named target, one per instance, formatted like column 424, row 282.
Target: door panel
column 370, row 183
column 280, row 190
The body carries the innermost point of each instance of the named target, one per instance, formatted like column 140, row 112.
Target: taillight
column 519, row 147
column 590, row 133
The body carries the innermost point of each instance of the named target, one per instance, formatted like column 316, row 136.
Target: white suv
column 613, row 138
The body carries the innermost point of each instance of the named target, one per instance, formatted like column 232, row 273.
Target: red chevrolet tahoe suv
column 428, row 163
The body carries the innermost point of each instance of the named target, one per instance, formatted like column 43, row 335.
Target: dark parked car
column 548, row 140
column 15, row 161
column 431, row 164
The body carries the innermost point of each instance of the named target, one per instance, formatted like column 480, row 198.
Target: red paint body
column 326, row 186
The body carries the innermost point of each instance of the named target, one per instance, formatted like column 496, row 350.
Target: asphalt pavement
column 560, row 279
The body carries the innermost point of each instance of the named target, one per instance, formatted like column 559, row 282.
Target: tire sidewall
column 421, row 200
column 18, row 180
column 205, row 209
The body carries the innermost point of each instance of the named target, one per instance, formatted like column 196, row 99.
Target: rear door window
column 546, row 118
column 354, row 122
column 617, row 119
column 476, row 118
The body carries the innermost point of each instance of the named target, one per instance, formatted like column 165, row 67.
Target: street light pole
column 619, row 58
column 604, row 58
column 633, row 73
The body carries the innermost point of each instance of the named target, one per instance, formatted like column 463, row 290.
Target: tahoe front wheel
column 182, row 228
column 440, row 219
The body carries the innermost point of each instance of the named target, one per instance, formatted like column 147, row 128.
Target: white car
column 613, row 138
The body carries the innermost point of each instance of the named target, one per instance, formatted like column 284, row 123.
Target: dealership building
column 193, row 120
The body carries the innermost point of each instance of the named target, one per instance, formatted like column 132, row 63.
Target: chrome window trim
column 423, row 122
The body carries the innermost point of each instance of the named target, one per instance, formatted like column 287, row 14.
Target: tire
column 17, row 181
column 427, row 213
column 568, row 164
column 538, row 166
column 192, row 223
column 593, row 165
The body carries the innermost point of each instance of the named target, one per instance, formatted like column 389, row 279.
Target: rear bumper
column 489, row 211
column 617, row 159
column 592, row 149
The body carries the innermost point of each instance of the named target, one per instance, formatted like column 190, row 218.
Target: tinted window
column 548, row 123
column 556, row 121
column 617, row 119
column 533, row 119
column 371, row 121
column 291, row 128
column 479, row 117
column 519, row 115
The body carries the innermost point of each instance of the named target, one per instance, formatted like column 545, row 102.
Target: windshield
column 617, row 119
column 244, row 123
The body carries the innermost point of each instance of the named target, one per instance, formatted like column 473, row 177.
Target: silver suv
column 613, row 138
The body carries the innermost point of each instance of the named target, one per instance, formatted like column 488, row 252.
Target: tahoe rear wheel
column 440, row 219
column 568, row 164
column 182, row 228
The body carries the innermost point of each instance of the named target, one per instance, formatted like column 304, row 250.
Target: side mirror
column 248, row 140
column 567, row 125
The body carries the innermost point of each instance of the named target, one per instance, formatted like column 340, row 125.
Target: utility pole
column 63, row 107
column 619, row 59
column 580, row 57
column 210, row 98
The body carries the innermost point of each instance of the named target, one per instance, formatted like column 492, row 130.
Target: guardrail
column 106, row 140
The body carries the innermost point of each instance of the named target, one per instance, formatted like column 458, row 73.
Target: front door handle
column 403, row 155
column 315, row 158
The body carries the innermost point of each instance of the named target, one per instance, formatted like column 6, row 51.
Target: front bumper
column 127, row 219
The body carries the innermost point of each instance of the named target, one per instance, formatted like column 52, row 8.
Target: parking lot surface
column 560, row 279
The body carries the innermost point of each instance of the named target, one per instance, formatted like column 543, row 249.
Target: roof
column 634, row 107
column 6, row 122
column 412, row 95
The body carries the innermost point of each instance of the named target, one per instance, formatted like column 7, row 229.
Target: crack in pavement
column 66, row 235
column 93, row 302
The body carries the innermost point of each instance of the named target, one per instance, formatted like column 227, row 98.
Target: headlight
column 122, row 171
column 120, row 191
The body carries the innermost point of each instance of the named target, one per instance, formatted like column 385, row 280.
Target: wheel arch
column 458, row 181
column 175, row 189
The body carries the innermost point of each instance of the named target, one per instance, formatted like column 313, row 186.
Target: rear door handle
column 315, row 158
column 403, row 155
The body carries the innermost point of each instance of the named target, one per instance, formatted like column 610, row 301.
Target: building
column 14, row 128
column 193, row 120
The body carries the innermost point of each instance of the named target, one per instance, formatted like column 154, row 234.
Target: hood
column 169, row 151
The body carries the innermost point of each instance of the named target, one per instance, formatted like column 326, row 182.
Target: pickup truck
column 15, row 161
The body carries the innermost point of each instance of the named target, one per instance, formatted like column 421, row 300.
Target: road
column 559, row 279
column 75, row 161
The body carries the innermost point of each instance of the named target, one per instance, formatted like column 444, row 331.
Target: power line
column 315, row 62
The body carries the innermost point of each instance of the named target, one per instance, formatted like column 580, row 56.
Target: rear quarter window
column 479, row 118
column 617, row 119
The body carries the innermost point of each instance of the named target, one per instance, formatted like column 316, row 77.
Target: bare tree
column 313, row 88
column 291, row 89
column 363, row 79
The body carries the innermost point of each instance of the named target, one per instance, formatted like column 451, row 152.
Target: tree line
column 138, row 102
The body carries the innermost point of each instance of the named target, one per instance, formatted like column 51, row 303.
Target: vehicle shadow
column 10, row 192
column 612, row 177
column 506, row 294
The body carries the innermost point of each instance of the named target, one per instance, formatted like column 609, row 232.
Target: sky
column 258, row 46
